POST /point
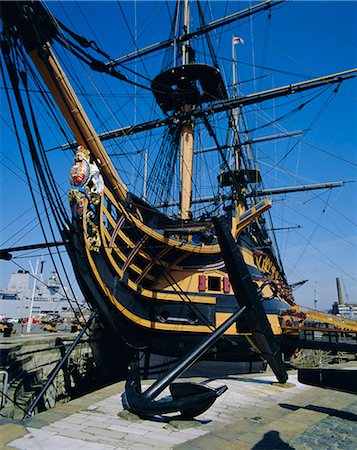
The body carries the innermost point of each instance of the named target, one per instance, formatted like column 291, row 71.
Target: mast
column 202, row 30
column 235, row 110
column 75, row 116
column 237, row 199
column 37, row 30
column 186, row 166
column 187, row 137
column 315, row 291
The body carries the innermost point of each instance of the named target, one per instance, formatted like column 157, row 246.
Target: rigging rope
column 31, row 143
column 332, row 263
column 115, row 115
column 328, row 101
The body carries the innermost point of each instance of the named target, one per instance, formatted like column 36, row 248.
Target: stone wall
column 28, row 361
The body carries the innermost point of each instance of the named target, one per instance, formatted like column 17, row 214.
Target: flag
column 238, row 40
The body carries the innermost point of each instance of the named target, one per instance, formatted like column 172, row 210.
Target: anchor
column 192, row 399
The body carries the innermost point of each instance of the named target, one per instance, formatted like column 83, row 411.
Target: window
column 214, row 283
column 9, row 297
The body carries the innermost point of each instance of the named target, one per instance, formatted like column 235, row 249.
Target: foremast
column 75, row 116
column 36, row 29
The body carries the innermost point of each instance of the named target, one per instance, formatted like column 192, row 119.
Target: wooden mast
column 75, row 116
column 187, row 138
column 186, row 167
column 237, row 199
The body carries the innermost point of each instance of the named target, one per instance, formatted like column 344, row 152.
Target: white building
column 345, row 310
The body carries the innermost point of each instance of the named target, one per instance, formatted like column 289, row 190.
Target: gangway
column 320, row 338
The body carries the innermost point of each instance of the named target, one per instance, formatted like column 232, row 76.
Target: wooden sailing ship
column 159, row 281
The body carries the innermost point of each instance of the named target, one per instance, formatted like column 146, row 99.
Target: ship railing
column 322, row 338
column 341, row 322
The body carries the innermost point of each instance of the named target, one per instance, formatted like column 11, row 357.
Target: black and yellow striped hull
column 154, row 291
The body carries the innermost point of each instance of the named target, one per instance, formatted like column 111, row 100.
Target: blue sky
column 304, row 39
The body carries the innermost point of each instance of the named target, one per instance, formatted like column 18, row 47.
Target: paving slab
column 255, row 413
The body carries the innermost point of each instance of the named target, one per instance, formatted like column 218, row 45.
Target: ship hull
column 166, row 343
column 161, row 324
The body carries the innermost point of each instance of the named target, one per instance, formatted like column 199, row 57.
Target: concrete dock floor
column 254, row 413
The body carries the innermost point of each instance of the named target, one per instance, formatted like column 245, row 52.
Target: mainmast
column 187, row 134
column 181, row 90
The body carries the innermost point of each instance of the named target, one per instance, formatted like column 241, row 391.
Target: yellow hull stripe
column 147, row 292
column 136, row 269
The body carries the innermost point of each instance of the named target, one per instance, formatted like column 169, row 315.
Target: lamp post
column 34, row 273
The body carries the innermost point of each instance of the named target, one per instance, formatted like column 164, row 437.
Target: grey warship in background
column 49, row 299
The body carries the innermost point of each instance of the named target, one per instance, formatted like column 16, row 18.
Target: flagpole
column 233, row 68
column 34, row 273
column 234, row 94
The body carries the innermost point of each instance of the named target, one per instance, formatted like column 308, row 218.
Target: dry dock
column 254, row 413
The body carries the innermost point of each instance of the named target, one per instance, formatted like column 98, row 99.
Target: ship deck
column 254, row 413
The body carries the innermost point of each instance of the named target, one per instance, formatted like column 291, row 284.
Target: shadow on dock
column 321, row 409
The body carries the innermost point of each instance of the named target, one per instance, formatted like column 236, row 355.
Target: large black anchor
column 193, row 399
column 190, row 399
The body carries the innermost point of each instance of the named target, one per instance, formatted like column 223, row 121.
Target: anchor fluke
column 188, row 399
column 200, row 397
